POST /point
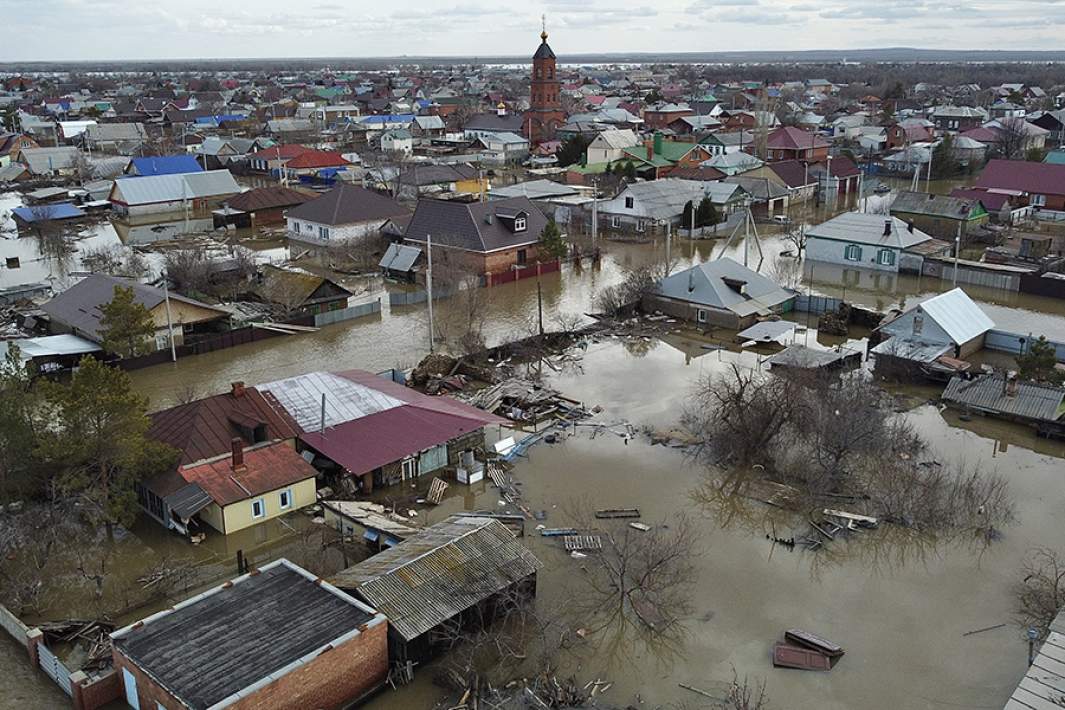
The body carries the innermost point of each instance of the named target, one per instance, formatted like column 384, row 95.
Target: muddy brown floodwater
column 898, row 604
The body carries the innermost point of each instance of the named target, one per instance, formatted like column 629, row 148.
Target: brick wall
column 97, row 692
column 331, row 680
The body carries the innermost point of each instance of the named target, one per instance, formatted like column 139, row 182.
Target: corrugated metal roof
column 174, row 188
column 911, row 349
column 400, row 257
column 956, row 314
column 868, row 228
column 435, row 575
column 345, row 400
column 706, row 284
column 989, row 393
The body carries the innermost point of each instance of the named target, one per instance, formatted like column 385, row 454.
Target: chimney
column 488, row 217
column 658, row 143
column 887, row 227
column 650, row 150
column 237, row 389
column 1011, row 384
column 909, row 227
column 238, row 455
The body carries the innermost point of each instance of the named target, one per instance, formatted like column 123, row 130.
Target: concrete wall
column 715, row 317
column 305, row 231
column 238, row 516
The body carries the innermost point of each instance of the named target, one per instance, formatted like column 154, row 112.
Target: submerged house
column 362, row 425
column 941, row 216
column 721, row 293
column 163, row 193
column 448, row 571
column 277, row 637
column 935, row 335
column 238, row 465
column 297, row 292
column 871, row 241
column 345, row 212
column 1001, row 395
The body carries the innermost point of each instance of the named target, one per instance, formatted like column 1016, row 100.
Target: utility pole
column 429, row 286
column 668, row 226
column 957, row 252
column 595, row 215
column 169, row 319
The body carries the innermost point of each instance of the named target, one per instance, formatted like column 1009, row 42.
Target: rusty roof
column 266, row 468
column 268, row 198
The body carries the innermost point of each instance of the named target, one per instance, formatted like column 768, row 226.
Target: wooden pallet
column 582, row 542
column 436, row 491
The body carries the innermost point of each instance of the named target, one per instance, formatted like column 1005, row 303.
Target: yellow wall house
column 253, row 485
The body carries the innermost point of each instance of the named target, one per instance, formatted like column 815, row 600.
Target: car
column 781, row 219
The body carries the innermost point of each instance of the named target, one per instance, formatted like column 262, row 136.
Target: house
column 768, row 197
column 264, row 205
column 790, row 143
column 273, row 159
column 432, row 579
column 721, row 143
column 1041, row 185
column 721, row 293
column 311, row 163
column 62, row 161
column 836, row 176
column 499, row 147
column 163, row 165
column 494, row 237
column 115, row 138
column 11, row 144
column 657, row 156
column 795, row 175
column 401, row 262
column 1053, row 122
column 299, row 293
column 692, row 125
column 56, row 212
column 428, row 127
column 291, row 129
column 1037, row 405
column 649, row 208
column 455, row 178
column 277, row 637
column 376, row 431
column 871, row 241
column 908, row 132
column 203, row 430
column 345, row 212
column 77, row 310
column 610, row 145
column 940, row 216
column 733, row 163
column 948, row 324
column 958, row 118
column 397, row 140
column 1001, row 207
column 660, row 115
column 184, row 192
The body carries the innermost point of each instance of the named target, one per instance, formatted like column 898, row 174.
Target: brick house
column 661, row 115
column 1040, row 185
column 790, row 143
column 277, row 637
column 485, row 237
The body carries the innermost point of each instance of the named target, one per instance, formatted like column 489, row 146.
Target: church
column 545, row 113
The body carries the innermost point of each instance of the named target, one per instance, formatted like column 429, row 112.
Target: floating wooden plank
column 642, row 527
column 558, row 532
column 864, row 520
column 618, row 513
column 788, row 656
column 436, row 491
column 582, row 542
column 817, row 643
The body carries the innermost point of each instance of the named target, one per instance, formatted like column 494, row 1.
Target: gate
column 54, row 668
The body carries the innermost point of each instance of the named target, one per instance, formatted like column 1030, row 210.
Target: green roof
column 1055, row 157
column 672, row 152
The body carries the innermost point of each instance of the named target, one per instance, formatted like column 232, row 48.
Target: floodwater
column 899, row 605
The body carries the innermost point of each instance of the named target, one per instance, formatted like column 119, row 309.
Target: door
column 410, row 468
column 130, row 683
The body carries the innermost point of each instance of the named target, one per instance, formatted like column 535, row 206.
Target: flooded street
column 900, row 605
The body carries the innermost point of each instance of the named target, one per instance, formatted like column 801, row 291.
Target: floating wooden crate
column 582, row 542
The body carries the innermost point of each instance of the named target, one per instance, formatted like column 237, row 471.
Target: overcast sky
column 161, row 29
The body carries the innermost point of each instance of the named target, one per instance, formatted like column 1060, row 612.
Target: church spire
column 543, row 25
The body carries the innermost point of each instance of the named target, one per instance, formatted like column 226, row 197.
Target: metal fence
column 363, row 309
column 11, row 624
column 55, row 669
column 1015, row 343
column 816, row 305
column 412, row 298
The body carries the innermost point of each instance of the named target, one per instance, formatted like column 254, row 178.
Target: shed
column 949, row 319
column 1003, row 396
column 434, row 577
column 276, row 637
column 400, row 260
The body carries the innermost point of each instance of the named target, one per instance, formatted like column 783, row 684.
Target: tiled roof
column 791, row 138
column 317, row 159
column 474, row 226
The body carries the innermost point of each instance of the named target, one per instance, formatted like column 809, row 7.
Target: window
column 323, row 233
column 615, row 222
column 13, row 262
column 285, row 499
column 519, row 224
column 161, row 342
column 550, row 73
column 629, row 202
column 258, row 508
column 853, row 252
column 522, row 256
column 1039, row 200
column 700, row 315
column 640, row 226
column 309, row 227
column 539, row 73
column 885, row 257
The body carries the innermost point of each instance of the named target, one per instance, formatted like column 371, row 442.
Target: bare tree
column 1041, row 591
column 1012, row 137
column 114, row 260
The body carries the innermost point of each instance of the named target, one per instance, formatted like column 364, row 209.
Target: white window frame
column 701, row 315
column 261, row 504
column 519, row 224
column 323, row 233
column 852, row 249
column 630, row 203
column 918, row 323
column 284, row 499
column 615, row 222
column 409, row 469
column 640, row 225
column 1038, row 200
column 885, row 257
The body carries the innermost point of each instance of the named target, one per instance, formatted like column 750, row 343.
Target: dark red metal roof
column 267, row 468
column 792, row 138
column 1023, row 176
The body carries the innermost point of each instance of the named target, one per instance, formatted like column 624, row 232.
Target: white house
column 950, row 321
column 398, row 140
column 871, row 241
column 610, row 145
column 647, row 207
column 346, row 212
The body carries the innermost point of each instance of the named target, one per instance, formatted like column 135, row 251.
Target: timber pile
column 545, row 691
column 524, row 401
column 93, row 635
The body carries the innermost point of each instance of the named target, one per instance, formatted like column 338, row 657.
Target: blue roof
column 389, row 118
column 166, row 165
column 60, row 210
column 221, row 118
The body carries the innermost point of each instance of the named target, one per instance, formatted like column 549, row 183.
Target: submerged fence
column 1004, row 341
column 363, row 309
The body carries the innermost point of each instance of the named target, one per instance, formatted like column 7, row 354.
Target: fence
column 990, row 276
column 1007, row 342
column 11, row 624
column 816, row 304
column 363, row 309
column 503, row 277
column 55, row 669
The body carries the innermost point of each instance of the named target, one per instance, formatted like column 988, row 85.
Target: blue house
column 163, row 165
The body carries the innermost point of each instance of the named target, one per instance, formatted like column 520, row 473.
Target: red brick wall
column 334, row 678
column 96, row 694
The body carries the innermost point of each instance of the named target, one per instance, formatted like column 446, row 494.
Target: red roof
column 982, row 134
column 992, row 201
column 317, row 159
column 372, row 441
column 265, row 469
column 793, row 173
column 792, row 138
column 1023, row 176
column 287, row 151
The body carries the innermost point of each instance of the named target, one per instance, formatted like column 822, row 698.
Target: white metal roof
column 49, row 345
column 705, row 284
column 345, row 400
column 172, row 188
column 956, row 314
column 868, row 228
